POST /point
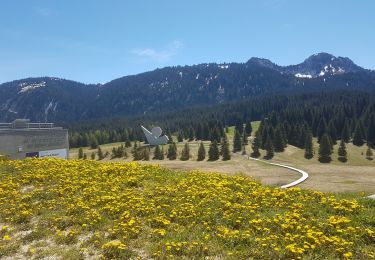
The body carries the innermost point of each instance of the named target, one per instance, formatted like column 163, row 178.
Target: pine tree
column 213, row 152
column 84, row 156
column 93, row 156
column 345, row 133
column 369, row 153
column 185, row 154
column 158, row 153
column 244, row 139
column 146, row 154
column 248, row 128
column 100, row 153
column 322, row 128
column 278, row 141
column 128, row 143
column 93, row 142
column 371, row 132
column 172, row 151
column 269, row 148
column 325, row 150
column 180, row 138
column 332, row 132
column 255, row 147
column 161, row 153
column 201, row 152
column 237, row 144
column 309, row 149
column 191, row 134
column 80, row 153
column 358, row 137
column 225, row 150
column 342, row 154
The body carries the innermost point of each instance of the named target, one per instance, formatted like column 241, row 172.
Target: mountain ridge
column 172, row 88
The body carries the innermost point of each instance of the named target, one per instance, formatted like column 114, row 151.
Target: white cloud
column 165, row 55
column 43, row 11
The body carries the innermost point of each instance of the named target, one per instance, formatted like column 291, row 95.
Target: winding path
column 304, row 174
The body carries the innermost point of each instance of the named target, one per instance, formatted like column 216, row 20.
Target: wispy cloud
column 165, row 55
column 43, row 11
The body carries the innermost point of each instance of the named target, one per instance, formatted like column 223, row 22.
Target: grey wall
column 32, row 140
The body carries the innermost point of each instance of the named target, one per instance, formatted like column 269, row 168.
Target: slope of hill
column 173, row 88
column 128, row 210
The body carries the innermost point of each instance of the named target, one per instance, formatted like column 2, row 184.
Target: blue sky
column 94, row 41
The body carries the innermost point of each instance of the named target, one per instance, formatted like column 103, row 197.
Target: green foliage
column 325, row 150
column 248, row 128
column 201, row 152
column 255, row 146
column 309, row 148
column 278, row 141
column 342, row 153
column 185, row 154
column 80, row 153
column 213, row 152
column 172, row 151
column 358, row 135
column 269, row 148
column 158, row 153
column 100, row 154
column 237, row 144
column 180, row 137
column 225, row 152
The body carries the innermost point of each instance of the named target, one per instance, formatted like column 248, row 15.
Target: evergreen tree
column 84, row 156
column 278, row 141
column 322, row 128
column 358, row 137
column 248, row 128
column 371, row 132
column 225, row 150
column 180, row 137
column 201, row 152
column 345, row 133
column 158, row 153
column 80, row 153
column 244, row 138
column 128, row 143
column 342, row 154
column 325, row 150
column 146, row 154
column 269, row 148
column 213, row 152
column 237, row 144
column 100, row 153
column 185, row 154
column 239, row 127
column 369, row 153
column 172, row 151
column 161, row 153
column 215, row 135
column 255, row 147
column 332, row 132
column 309, row 148
column 93, row 156
column 93, row 142
column 191, row 134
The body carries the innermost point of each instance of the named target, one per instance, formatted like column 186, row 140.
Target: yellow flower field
column 84, row 209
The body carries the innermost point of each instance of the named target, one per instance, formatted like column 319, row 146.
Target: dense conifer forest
column 285, row 119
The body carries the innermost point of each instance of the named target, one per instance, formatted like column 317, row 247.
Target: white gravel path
column 304, row 174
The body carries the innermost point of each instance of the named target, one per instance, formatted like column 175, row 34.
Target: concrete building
column 21, row 139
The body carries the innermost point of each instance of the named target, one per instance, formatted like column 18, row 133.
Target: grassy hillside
column 84, row 209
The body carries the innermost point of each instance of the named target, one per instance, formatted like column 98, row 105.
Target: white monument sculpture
column 154, row 137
